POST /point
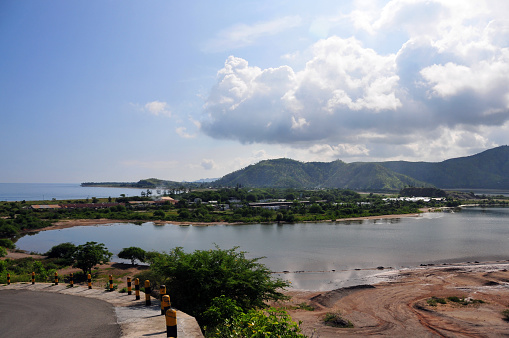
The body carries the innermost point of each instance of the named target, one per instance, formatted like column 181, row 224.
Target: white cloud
column 447, row 86
column 182, row 132
column 158, row 108
column 242, row 35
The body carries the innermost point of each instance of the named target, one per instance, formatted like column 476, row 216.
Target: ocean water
column 59, row 191
column 317, row 256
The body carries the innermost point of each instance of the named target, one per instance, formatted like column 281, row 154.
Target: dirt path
column 400, row 309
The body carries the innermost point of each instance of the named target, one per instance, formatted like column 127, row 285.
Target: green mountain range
column 486, row 170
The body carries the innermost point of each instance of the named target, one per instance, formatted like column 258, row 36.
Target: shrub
column 505, row 313
column 258, row 323
column 334, row 319
column 197, row 278
column 7, row 243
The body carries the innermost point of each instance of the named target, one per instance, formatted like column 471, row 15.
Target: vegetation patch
column 434, row 301
column 334, row 319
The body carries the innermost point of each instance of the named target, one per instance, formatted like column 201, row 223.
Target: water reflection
column 347, row 252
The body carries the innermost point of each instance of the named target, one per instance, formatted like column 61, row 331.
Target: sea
column 60, row 191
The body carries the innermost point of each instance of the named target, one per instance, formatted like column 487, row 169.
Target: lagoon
column 317, row 256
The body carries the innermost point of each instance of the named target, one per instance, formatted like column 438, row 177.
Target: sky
column 119, row 90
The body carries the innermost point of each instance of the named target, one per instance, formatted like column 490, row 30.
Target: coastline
column 104, row 221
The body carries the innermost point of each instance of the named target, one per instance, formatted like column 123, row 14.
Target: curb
column 135, row 319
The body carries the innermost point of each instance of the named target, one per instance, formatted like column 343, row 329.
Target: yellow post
column 89, row 281
column 71, row 279
column 129, row 289
column 171, row 323
column 162, row 293
column 165, row 303
column 33, row 277
column 8, row 279
column 148, row 291
column 137, row 288
column 56, row 278
column 111, row 283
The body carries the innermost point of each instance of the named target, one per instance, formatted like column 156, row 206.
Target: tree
column 63, row 252
column 133, row 253
column 89, row 255
column 197, row 278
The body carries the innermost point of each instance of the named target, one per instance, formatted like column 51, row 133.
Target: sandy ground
column 399, row 308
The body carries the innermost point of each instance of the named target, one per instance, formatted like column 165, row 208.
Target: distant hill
column 486, row 170
column 287, row 173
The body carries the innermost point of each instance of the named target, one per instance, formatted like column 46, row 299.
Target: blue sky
column 126, row 90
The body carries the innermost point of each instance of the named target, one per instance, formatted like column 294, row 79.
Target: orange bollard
column 56, row 278
column 89, row 281
column 8, row 279
column 129, row 290
column 148, row 290
column 137, row 288
column 165, row 303
column 71, row 280
column 162, row 293
column 171, row 323
column 33, row 277
column 111, row 283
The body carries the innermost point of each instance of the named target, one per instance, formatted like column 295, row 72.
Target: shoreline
column 64, row 224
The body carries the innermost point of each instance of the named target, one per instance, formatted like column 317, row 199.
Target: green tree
column 63, row 251
column 133, row 253
column 197, row 278
column 89, row 255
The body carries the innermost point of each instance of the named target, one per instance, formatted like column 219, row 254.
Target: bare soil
column 400, row 309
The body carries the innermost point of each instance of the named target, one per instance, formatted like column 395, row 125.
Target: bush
column 505, row 313
column 258, row 323
column 7, row 243
column 63, row 253
column 197, row 278
column 334, row 319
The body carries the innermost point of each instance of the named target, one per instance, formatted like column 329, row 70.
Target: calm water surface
column 311, row 251
column 59, row 191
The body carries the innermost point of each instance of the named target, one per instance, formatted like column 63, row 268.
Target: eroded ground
column 401, row 309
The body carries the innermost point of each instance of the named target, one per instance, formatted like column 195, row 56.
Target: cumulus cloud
column 158, row 108
column 447, row 86
column 242, row 35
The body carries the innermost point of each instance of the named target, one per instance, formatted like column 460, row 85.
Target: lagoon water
column 318, row 256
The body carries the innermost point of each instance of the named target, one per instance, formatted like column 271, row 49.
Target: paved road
column 41, row 314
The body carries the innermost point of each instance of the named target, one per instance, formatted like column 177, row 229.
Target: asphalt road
column 42, row 314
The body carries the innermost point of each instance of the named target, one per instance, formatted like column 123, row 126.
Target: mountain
column 287, row 173
column 486, row 170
